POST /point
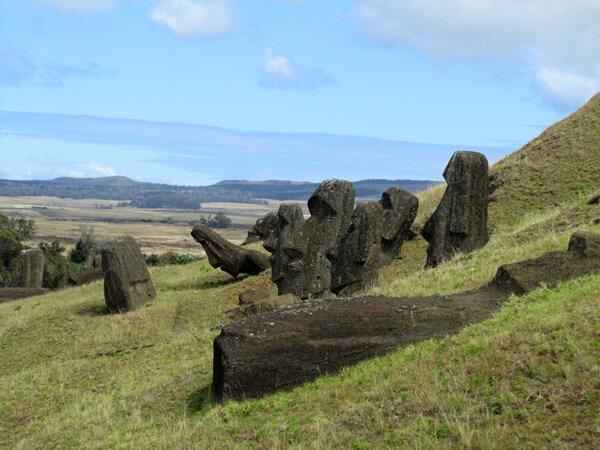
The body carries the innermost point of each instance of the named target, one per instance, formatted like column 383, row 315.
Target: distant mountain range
column 152, row 195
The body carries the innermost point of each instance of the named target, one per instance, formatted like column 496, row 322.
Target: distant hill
column 152, row 195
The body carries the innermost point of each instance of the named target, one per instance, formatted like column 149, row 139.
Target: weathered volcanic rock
column 582, row 258
column 127, row 283
column 303, row 252
column 290, row 220
column 262, row 306
column 15, row 293
column 252, row 295
column 280, row 349
column 399, row 211
column 30, row 269
column 229, row 257
column 262, row 229
column 357, row 260
column 459, row 224
column 85, row 276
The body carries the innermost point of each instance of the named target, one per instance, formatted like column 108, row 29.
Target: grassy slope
column 73, row 376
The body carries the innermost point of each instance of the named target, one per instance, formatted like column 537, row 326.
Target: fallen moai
column 339, row 248
column 15, row 293
column 280, row 349
column 30, row 272
column 262, row 229
column 229, row 257
column 127, row 282
column 459, row 224
column 85, row 276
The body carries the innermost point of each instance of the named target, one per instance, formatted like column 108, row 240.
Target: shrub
column 56, row 266
column 84, row 246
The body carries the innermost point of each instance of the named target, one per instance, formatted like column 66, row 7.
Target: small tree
column 84, row 245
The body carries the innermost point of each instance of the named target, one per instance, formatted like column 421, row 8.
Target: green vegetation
column 219, row 221
column 171, row 258
column 74, row 376
column 84, row 247
column 56, row 267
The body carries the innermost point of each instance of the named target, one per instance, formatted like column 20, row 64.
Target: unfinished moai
column 229, row 257
column 459, row 224
column 127, row 282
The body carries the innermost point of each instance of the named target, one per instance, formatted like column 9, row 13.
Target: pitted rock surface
column 459, row 224
column 399, row 211
column 278, row 350
column 127, row 283
column 262, row 229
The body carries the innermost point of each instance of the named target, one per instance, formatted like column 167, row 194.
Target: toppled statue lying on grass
column 294, row 344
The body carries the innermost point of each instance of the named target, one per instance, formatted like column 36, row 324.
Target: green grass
column 73, row 376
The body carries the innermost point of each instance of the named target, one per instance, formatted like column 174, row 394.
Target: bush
column 171, row 258
column 56, row 266
column 84, row 246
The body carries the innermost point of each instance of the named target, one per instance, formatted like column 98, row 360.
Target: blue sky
column 197, row 91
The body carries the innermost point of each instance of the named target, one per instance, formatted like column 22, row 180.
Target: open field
column 157, row 230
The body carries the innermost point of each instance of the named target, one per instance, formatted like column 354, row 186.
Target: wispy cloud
column 55, row 74
column 188, row 18
column 197, row 152
column 15, row 66
column 77, row 5
column 557, row 42
column 280, row 72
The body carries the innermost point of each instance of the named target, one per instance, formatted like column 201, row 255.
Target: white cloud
column 77, row 5
column 85, row 170
column 15, row 67
column 560, row 36
column 280, row 72
column 187, row 18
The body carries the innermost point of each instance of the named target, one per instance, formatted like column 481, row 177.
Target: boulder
column 127, row 282
column 459, row 224
column 229, row 257
column 86, row 276
column 30, row 272
column 252, row 295
column 399, row 211
column 280, row 349
column 262, row 229
column 357, row 260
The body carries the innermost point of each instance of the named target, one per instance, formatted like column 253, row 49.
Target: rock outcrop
column 229, row 257
column 262, row 229
column 264, row 353
column 127, row 282
column 30, row 272
column 399, row 211
column 459, row 224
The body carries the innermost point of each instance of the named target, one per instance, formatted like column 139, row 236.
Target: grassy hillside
column 74, row 376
